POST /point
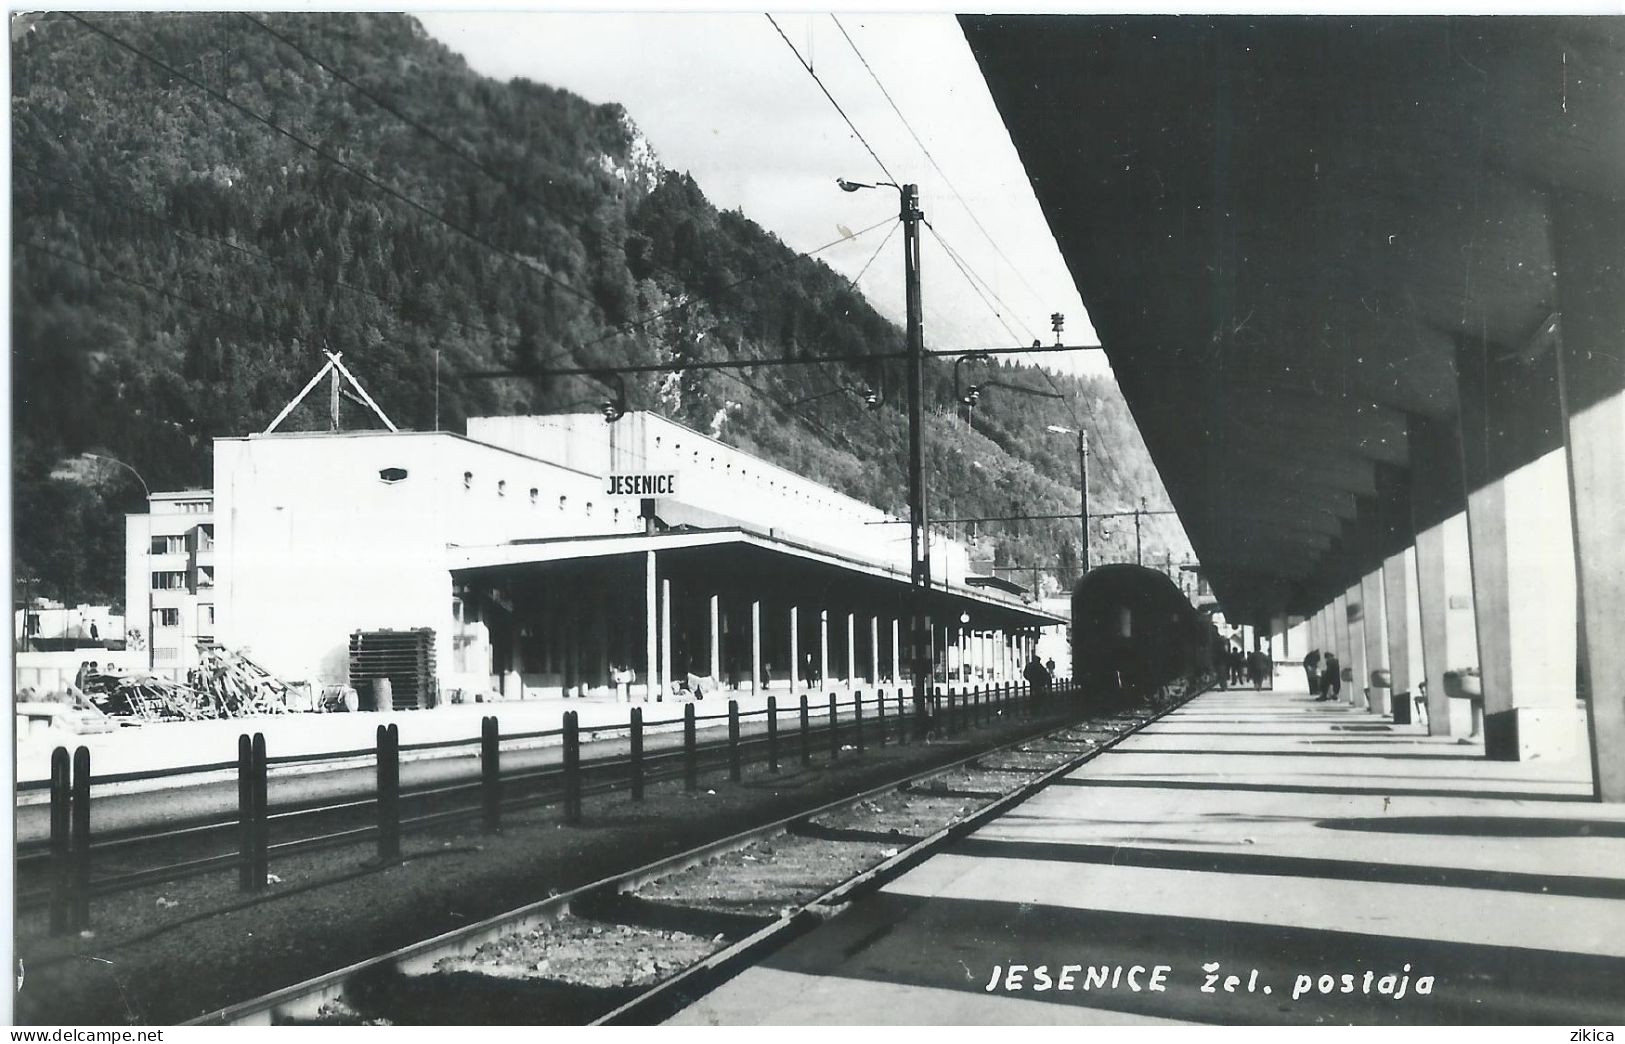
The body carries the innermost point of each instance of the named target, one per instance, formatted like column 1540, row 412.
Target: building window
column 205, row 576
column 589, row 509
column 205, row 537
column 502, row 487
column 535, row 494
column 192, row 507
column 468, row 480
column 169, row 545
column 169, row 617
column 169, row 580
column 563, row 500
column 391, row 474
column 205, row 620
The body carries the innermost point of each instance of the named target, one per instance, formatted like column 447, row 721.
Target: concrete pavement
column 1290, row 843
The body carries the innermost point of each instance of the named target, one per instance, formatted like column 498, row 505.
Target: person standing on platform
column 1311, row 671
column 1331, row 679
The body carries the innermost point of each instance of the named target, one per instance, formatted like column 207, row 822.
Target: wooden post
column 806, row 730
column 81, row 840
column 902, row 716
column 755, row 646
column 572, row 768
column 61, row 841
column 734, row 770
column 772, row 734
column 857, row 720
column 491, row 774
column 691, row 767
column 834, row 731
column 389, row 793
column 880, row 714
column 246, row 820
column 636, row 739
column 262, row 812
column 716, row 640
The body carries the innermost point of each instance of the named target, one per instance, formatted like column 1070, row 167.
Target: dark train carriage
column 1134, row 631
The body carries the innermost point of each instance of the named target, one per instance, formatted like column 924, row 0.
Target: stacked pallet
column 401, row 663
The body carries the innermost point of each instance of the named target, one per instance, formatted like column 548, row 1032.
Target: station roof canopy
column 782, row 568
column 1284, row 227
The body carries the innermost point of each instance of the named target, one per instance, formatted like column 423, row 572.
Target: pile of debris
column 225, row 684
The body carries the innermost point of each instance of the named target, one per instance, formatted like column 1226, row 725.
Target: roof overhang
column 1288, row 230
column 726, row 544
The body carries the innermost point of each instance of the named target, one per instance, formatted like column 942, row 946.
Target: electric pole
column 919, row 522
column 1083, row 496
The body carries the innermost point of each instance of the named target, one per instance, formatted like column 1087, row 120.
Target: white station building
column 561, row 555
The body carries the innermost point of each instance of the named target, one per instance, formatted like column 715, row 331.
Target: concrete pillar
column 1444, row 590
column 1337, row 634
column 1399, row 600
column 755, row 646
column 651, row 626
column 896, row 650
column 823, row 648
column 716, row 639
column 852, row 652
column 666, row 686
column 874, row 650
column 1524, row 588
column 1591, row 371
column 1359, row 685
column 1375, row 630
column 795, row 648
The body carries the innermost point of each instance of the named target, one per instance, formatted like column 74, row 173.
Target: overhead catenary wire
column 970, row 211
column 816, row 79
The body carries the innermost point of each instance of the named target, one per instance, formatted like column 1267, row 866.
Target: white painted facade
column 169, row 579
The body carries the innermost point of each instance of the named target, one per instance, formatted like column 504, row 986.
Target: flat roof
column 561, row 549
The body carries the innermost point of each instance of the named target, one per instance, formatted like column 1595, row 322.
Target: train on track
column 1134, row 631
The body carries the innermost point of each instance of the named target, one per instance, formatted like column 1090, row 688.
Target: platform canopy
column 1286, row 230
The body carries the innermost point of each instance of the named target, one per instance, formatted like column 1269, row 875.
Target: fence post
column 834, row 731
column 902, row 716
column 491, row 774
column 691, row 767
column 772, row 734
column 857, row 720
column 572, row 767
column 262, row 812
column 880, row 714
column 806, row 733
column 61, row 840
column 247, row 822
column 636, row 738
column 389, row 793
column 81, row 840
column 734, row 772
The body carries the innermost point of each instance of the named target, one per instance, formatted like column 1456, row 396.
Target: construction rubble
column 224, row 684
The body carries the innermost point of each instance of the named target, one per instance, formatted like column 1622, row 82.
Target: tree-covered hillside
column 202, row 202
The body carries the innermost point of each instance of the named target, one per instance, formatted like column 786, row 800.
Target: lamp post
column 1083, row 482
column 908, row 200
column 120, row 463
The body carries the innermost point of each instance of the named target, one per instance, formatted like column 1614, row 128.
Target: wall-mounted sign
column 659, row 485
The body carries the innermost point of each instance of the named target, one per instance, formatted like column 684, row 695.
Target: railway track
column 635, row 947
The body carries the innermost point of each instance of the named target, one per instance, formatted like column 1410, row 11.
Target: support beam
column 716, row 640
column 651, row 627
column 795, row 648
column 1375, row 631
column 755, row 646
column 666, row 686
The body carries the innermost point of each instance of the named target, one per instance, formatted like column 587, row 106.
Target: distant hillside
column 179, row 263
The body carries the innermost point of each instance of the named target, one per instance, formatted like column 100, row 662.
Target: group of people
column 1040, row 675
column 1324, row 674
column 1254, row 667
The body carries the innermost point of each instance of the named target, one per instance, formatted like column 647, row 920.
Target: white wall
column 311, row 544
column 720, row 479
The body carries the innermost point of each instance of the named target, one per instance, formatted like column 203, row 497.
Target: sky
column 724, row 97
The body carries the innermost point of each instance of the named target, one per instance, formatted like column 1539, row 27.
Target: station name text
column 642, row 485
column 1137, row 978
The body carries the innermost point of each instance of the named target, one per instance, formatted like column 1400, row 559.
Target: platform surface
column 1256, row 831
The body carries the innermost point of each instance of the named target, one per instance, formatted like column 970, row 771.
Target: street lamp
column 908, row 206
column 1083, row 479
column 62, row 473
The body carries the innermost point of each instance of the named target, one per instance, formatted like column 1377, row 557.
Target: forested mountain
column 202, row 202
